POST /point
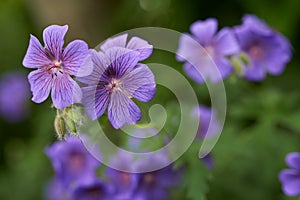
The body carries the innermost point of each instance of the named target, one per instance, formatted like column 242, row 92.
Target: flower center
column 55, row 68
column 113, row 84
column 255, row 51
column 209, row 50
column 149, row 178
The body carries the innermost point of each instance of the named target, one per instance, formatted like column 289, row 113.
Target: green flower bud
column 59, row 126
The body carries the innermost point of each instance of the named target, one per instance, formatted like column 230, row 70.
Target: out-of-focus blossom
column 207, row 51
column 117, row 77
column 71, row 161
column 290, row 178
column 95, row 190
column 266, row 49
column 55, row 65
column 14, row 97
column 55, row 190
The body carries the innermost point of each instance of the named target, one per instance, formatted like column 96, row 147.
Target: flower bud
column 59, row 126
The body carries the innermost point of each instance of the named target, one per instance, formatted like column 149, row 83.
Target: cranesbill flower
column 290, row 178
column 14, row 97
column 216, row 46
column 266, row 49
column 94, row 190
column 116, row 79
column 55, row 65
column 72, row 163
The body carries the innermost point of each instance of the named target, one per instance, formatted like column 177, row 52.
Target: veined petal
column 95, row 100
column 141, row 46
column 40, row 84
column 76, row 60
column 122, row 111
column 65, row 91
column 121, row 60
column 204, row 30
column 118, row 41
column 226, row 43
column 139, row 83
column 54, row 39
column 99, row 65
column 36, row 56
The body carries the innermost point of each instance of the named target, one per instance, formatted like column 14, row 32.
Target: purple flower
column 56, row 191
column 155, row 184
column 14, row 96
column 290, row 178
column 94, row 190
column 71, row 161
column 215, row 46
column 117, row 77
column 55, row 66
column 266, row 49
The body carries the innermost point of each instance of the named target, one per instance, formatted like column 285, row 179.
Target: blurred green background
column 263, row 119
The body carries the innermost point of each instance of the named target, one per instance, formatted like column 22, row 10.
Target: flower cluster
column 76, row 178
column 251, row 50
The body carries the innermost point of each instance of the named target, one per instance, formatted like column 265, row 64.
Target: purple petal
column 141, row 46
column 95, row 100
column 226, row 43
column 189, row 49
column 36, row 56
column 75, row 59
column 40, row 84
column 293, row 160
column 122, row 111
column 65, row 91
column 139, row 83
column 254, row 72
column 191, row 71
column 290, row 182
column 54, row 39
column 118, row 41
column 256, row 25
column 204, row 30
column 121, row 60
column 99, row 65
column 224, row 67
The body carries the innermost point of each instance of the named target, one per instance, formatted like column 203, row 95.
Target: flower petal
column 122, row 111
column 121, row 61
column 141, row 46
column 290, row 182
column 293, row 160
column 65, row 91
column 36, row 56
column 76, row 60
column 204, row 30
column 118, row 41
column 139, row 83
column 54, row 40
column 40, row 84
column 254, row 72
column 226, row 43
column 99, row 66
column 95, row 100
column 192, row 72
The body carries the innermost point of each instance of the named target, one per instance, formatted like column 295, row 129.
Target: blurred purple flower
column 71, row 161
column 55, row 66
column 155, row 184
column 267, row 50
column 56, row 191
column 215, row 46
column 14, row 97
column 94, row 190
column 117, row 77
column 290, row 178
